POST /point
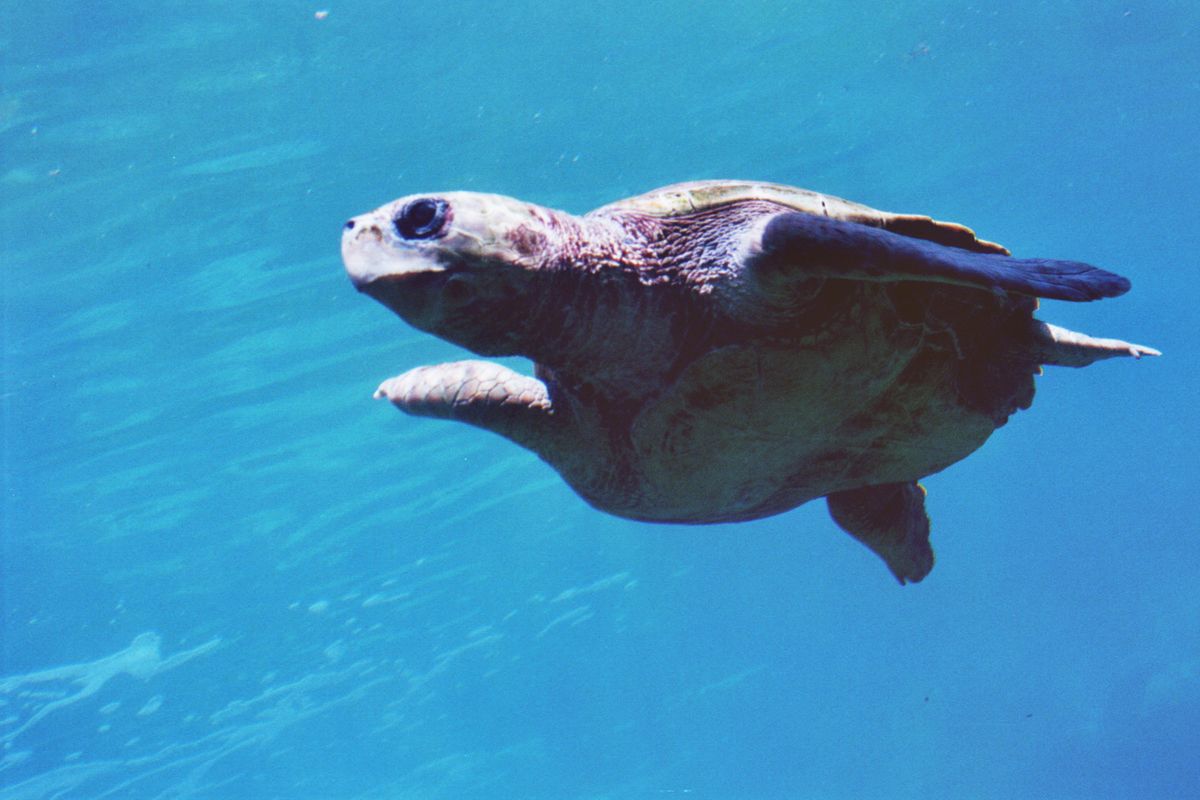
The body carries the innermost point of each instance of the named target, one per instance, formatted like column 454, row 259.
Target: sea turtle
column 719, row 351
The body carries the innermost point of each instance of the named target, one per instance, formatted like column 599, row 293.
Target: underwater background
column 228, row 573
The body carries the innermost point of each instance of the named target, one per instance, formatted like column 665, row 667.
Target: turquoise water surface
column 228, row 573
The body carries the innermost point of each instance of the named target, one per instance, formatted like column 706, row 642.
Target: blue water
column 228, row 573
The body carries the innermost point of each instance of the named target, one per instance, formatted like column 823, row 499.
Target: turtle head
column 460, row 265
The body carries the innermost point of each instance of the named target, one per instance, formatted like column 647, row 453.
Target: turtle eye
column 421, row 219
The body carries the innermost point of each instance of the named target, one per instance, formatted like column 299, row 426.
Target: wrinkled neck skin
column 607, row 312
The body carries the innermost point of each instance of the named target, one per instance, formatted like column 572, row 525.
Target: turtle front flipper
column 890, row 519
column 480, row 393
column 795, row 245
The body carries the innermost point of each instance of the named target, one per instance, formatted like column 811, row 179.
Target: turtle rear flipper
column 890, row 519
column 1065, row 348
column 803, row 246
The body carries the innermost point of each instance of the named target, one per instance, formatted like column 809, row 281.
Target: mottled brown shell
column 685, row 198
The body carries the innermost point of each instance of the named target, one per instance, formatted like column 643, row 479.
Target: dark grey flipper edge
column 811, row 246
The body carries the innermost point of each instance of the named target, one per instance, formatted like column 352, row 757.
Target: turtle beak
column 404, row 276
column 371, row 250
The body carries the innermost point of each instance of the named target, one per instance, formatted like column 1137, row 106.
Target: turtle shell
column 686, row 198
